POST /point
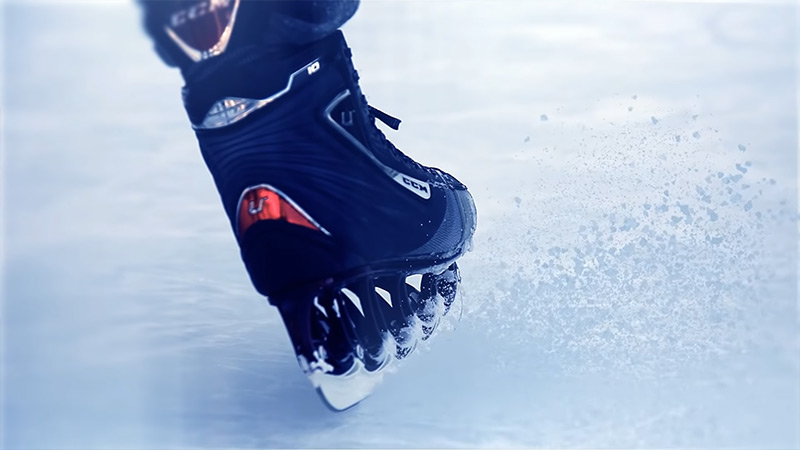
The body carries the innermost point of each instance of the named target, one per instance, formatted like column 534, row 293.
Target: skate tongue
column 392, row 122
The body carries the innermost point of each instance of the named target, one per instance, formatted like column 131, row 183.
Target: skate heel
column 281, row 257
column 282, row 246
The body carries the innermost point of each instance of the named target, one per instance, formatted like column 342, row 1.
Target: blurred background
column 634, row 276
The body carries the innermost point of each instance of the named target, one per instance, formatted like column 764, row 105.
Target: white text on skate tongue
column 197, row 10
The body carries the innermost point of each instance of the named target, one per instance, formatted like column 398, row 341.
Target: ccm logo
column 419, row 188
column 197, row 10
column 415, row 185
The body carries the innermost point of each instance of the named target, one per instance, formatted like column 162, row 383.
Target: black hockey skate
column 352, row 240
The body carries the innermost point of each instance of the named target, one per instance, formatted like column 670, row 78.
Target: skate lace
column 393, row 123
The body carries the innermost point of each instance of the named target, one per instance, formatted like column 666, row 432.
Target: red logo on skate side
column 266, row 203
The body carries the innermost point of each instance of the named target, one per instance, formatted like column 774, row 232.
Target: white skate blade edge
column 340, row 392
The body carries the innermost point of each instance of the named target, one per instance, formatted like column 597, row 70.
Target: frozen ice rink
column 634, row 277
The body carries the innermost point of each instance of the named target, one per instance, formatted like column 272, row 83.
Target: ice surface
column 625, row 289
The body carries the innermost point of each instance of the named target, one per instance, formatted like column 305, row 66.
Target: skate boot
column 353, row 241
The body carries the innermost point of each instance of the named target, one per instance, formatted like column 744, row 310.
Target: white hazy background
column 634, row 278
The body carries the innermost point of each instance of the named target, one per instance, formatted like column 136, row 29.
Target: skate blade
column 341, row 392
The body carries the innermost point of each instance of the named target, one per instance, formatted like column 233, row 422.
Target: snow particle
column 742, row 148
column 696, row 135
column 654, row 120
column 543, row 117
